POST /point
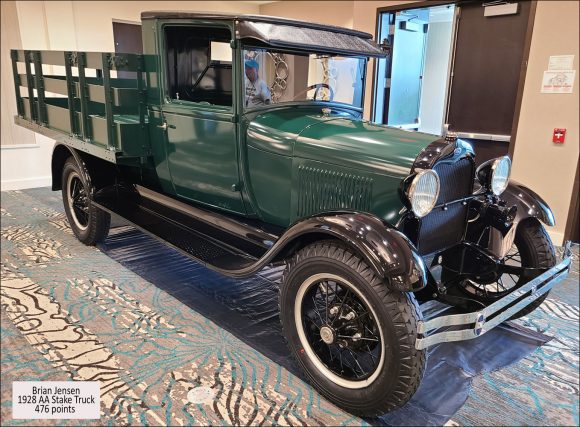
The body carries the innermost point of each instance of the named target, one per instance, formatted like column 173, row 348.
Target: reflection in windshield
column 276, row 77
column 257, row 91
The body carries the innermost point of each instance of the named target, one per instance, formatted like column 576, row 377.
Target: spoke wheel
column 88, row 223
column 339, row 329
column 78, row 201
column 505, row 283
column 353, row 337
column 532, row 248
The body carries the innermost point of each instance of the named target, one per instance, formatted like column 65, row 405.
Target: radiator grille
column 323, row 190
column 443, row 228
column 456, row 180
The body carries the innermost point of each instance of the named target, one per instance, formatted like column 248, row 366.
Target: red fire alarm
column 559, row 136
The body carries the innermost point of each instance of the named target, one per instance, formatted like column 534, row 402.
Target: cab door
column 198, row 115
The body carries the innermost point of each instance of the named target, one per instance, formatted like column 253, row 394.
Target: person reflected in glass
column 257, row 91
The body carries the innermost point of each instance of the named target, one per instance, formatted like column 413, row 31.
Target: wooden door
column 489, row 56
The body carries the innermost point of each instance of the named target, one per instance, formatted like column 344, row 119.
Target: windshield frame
column 255, row 45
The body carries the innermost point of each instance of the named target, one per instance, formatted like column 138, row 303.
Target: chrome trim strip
column 538, row 286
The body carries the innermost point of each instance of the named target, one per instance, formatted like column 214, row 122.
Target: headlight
column 423, row 192
column 500, row 174
column 494, row 174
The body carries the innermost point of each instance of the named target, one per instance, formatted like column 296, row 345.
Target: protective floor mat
column 248, row 308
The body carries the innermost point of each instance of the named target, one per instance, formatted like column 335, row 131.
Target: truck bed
column 100, row 114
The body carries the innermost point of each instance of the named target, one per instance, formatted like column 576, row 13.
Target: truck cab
column 233, row 102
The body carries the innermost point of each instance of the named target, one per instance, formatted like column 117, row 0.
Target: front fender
column 529, row 204
column 387, row 251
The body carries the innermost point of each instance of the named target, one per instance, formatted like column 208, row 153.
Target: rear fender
column 60, row 153
column 387, row 251
column 96, row 172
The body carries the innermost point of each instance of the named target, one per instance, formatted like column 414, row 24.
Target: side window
column 199, row 64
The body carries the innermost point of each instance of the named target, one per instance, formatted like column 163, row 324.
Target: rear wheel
column 352, row 335
column 89, row 223
column 532, row 248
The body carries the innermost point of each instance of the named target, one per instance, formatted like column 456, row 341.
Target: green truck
column 239, row 141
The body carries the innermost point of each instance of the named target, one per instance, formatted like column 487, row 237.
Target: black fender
column 387, row 251
column 60, row 153
column 95, row 172
column 529, row 204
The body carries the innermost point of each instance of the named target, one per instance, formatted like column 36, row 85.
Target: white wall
column 26, row 165
column 10, row 40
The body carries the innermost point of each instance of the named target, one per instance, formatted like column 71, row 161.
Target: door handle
column 163, row 126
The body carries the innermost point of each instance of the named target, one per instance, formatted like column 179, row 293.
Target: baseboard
column 24, row 183
column 556, row 236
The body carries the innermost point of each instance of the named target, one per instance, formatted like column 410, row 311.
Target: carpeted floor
column 72, row 312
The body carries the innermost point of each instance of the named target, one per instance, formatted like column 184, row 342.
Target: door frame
column 195, row 110
column 522, row 79
column 432, row 3
column 396, row 9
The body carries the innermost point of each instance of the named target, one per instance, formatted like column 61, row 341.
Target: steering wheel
column 319, row 86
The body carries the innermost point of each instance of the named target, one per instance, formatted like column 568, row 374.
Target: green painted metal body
column 303, row 162
column 276, row 163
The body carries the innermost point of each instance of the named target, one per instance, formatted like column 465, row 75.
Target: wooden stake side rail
column 84, row 101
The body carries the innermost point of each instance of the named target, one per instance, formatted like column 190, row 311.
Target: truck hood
column 362, row 145
column 339, row 139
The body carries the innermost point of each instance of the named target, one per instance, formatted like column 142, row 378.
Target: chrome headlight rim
column 413, row 186
column 494, row 169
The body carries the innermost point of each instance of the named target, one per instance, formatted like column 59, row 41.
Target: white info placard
column 35, row 400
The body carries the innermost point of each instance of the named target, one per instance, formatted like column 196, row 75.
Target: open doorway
column 412, row 83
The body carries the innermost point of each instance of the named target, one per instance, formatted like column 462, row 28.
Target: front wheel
column 88, row 223
column 532, row 248
column 352, row 335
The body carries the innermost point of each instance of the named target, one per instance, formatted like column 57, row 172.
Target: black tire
column 536, row 250
column 533, row 238
column 89, row 224
column 396, row 375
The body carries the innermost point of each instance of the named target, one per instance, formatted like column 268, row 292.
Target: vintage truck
column 239, row 140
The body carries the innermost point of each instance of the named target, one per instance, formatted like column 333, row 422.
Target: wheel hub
column 327, row 334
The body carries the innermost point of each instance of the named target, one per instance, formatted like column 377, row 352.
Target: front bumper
column 473, row 325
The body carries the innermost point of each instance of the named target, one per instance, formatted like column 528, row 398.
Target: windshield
column 274, row 77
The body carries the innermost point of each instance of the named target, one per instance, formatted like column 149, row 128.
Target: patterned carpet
column 71, row 312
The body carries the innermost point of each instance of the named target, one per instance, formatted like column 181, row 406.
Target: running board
column 192, row 237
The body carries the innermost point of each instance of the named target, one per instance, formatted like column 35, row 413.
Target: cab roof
column 285, row 33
